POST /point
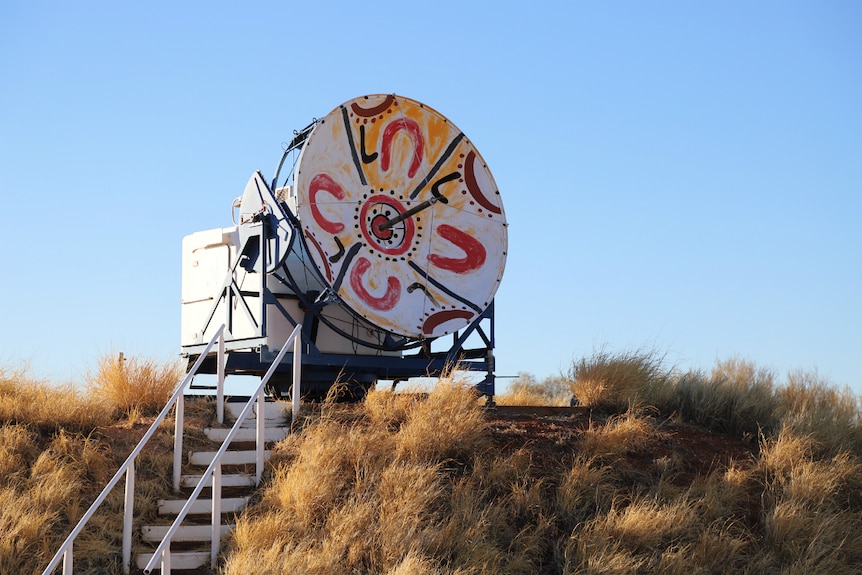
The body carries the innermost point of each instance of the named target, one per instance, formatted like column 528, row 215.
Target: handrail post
column 68, row 560
column 260, row 436
column 220, row 368
column 179, row 416
column 216, row 518
column 166, row 561
column 128, row 514
column 297, row 376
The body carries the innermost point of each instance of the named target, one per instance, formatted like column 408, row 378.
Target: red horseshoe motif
column 415, row 132
column 442, row 316
column 327, row 184
column 473, row 185
column 384, row 303
column 370, row 112
column 474, row 251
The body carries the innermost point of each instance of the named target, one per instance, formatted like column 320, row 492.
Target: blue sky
column 684, row 177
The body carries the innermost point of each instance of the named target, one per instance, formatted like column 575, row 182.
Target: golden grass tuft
column 831, row 416
column 647, row 524
column 615, row 381
column 414, row 563
column 527, row 391
column 24, row 547
column 667, row 531
column 18, row 445
column 48, row 468
column 522, row 396
column 608, row 559
column 48, row 407
column 343, row 500
column 813, row 506
column 386, row 408
column 134, row 385
column 448, row 423
column 50, row 492
column 723, row 493
column 316, row 476
column 584, row 491
column 737, row 397
column 802, row 540
column 622, row 434
column 792, row 470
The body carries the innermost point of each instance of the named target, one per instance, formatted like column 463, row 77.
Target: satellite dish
column 401, row 216
column 386, row 233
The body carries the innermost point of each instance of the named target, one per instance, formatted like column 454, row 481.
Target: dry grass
column 615, row 381
column 585, row 490
column 659, row 530
column 739, row 398
column 134, row 385
column 364, row 494
column 736, row 397
column 813, row 506
column 410, row 483
column 413, row 483
column 448, row 424
column 47, row 494
column 59, row 446
column 48, row 407
column 809, row 406
column 620, row 435
column 523, row 395
column 552, row 391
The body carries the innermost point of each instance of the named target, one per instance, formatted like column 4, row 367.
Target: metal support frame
column 253, row 355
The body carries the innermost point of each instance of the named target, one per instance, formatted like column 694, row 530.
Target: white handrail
column 65, row 552
column 163, row 552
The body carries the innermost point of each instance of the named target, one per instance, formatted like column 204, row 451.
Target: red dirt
column 554, row 439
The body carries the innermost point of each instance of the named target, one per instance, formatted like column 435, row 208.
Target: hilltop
column 653, row 472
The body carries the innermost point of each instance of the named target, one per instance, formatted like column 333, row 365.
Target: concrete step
column 227, row 480
column 184, row 533
column 202, row 506
column 219, row 434
column 275, row 412
column 179, row 560
column 204, row 458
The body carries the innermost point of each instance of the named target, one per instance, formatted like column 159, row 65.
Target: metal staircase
column 192, row 541
column 240, row 461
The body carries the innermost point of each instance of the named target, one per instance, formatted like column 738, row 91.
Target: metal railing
column 128, row 469
column 162, row 553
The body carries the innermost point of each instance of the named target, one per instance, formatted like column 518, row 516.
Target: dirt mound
column 554, row 436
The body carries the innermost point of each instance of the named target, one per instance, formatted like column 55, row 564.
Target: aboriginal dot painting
column 401, row 216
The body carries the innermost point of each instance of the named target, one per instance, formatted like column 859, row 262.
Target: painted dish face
column 401, row 216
